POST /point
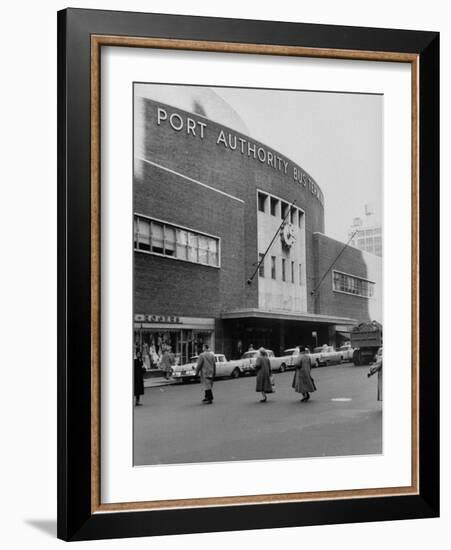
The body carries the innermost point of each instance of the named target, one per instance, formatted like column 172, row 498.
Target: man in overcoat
column 206, row 367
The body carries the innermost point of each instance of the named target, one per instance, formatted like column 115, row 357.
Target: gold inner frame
column 97, row 41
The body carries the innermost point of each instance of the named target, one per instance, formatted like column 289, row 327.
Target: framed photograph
column 248, row 274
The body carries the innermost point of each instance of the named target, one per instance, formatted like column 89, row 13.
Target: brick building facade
column 207, row 202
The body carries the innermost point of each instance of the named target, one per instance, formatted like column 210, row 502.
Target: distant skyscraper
column 366, row 233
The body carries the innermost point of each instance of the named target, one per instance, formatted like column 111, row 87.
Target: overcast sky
column 335, row 137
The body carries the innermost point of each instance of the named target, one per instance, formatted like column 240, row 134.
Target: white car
column 223, row 368
column 346, row 352
column 285, row 361
column 325, row 355
column 277, row 363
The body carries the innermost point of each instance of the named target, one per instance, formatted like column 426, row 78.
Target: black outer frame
column 75, row 520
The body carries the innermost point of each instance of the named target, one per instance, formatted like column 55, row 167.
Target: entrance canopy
column 284, row 315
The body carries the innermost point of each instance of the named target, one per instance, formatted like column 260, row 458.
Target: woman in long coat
column 263, row 370
column 138, row 378
column 302, row 381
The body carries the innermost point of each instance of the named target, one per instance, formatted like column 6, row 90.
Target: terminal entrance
column 240, row 335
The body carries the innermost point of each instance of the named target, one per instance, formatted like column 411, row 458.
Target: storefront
column 184, row 336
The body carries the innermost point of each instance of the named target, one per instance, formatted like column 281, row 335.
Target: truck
column 366, row 339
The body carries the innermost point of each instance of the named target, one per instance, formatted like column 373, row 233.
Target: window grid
column 175, row 242
column 296, row 214
column 352, row 285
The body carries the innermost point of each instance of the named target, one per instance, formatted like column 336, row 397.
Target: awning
column 255, row 313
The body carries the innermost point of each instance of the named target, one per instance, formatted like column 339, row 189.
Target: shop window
column 274, row 204
column 262, row 202
column 261, row 269
column 273, row 267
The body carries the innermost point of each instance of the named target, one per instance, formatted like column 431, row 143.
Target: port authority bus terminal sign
column 242, row 145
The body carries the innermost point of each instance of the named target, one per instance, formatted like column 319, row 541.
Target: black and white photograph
column 257, row 274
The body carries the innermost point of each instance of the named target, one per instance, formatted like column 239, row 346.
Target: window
column 169, row 240
column 352, row 285
column 262, row 202
column 203, row 250
column 261, row 269
column 273, row 267
column 292, row 272
column 142, row 234
column 293, row 215
column 284, row 262
column 274, row 206
column 284, row 210
column 156, row 235
column 300, row 274
column 182, row 244
column 213, row 252
column 192, row 248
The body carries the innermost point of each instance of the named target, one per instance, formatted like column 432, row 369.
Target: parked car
column 315, row 354
column 346, row 352
column 186, row 372
column 325, row 355
column 285, row 361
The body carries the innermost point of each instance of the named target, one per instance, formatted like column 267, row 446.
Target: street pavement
column 342, row 418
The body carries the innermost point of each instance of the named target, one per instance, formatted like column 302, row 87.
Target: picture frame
column 81, row 36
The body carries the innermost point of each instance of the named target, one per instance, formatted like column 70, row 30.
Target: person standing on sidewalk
column 138, row 378
column 377, row 367
column 302, row 381
column 206, row 367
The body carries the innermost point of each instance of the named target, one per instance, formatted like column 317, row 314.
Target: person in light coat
column 206, row 368
column 302, row 381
